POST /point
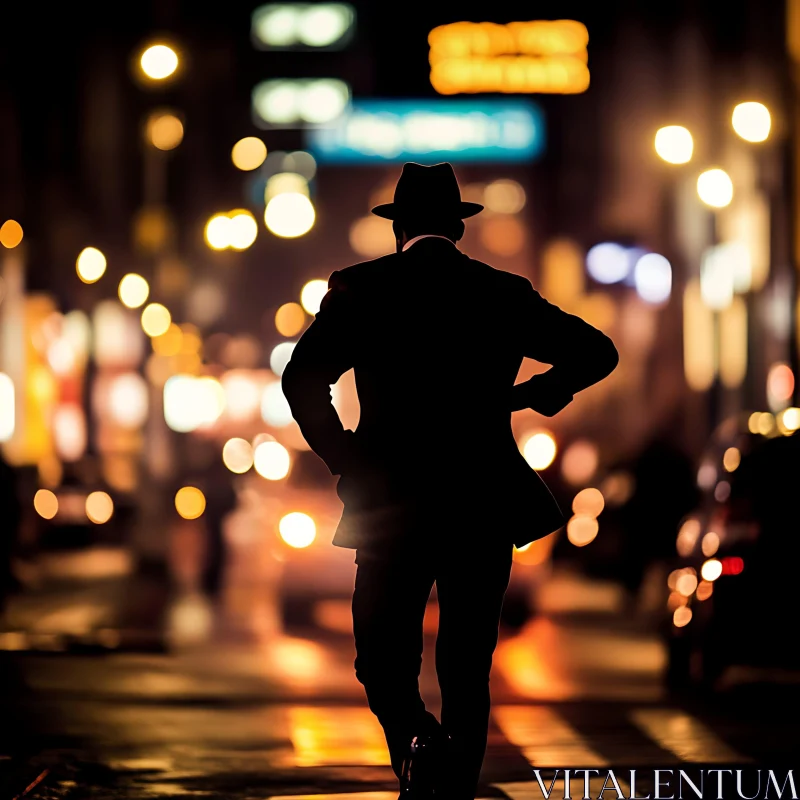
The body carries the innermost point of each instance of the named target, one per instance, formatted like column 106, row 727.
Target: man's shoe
column 420, row 773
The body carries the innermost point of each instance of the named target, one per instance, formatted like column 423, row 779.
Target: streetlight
column 158, row 62
column 752, row 121
column 674, row 144
column 715, row 188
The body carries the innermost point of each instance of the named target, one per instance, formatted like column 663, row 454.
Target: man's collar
column 413, row 241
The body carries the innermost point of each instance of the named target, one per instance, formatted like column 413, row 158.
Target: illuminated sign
column 302, row 26
column 543, row 56
column 436, row 130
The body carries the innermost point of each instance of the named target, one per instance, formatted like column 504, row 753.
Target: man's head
column 406, row 228
column 427, row 200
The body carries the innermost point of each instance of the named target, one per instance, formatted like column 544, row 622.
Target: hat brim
column 393, row 211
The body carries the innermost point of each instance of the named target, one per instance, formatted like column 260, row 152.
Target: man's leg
column 388, row 607
column 470, row 587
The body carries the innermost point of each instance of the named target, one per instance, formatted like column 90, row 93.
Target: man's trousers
column 389, row 602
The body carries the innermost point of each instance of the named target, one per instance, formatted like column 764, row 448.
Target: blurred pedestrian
column 433, row 484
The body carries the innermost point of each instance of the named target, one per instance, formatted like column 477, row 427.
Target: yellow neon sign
column 542, row 56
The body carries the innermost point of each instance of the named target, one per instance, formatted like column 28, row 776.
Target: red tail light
column 732, row 565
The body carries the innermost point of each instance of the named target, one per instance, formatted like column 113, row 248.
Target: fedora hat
column 427, row 192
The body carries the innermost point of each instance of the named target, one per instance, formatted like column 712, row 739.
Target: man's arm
column 323, row 354
column 580, row 354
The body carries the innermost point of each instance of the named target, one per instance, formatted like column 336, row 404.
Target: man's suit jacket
column 436, row 340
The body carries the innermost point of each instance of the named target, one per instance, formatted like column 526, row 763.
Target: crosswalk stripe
column 346, row 796
column 530, row 790
column 324, row 736
column 685, row 736
column 544, row 738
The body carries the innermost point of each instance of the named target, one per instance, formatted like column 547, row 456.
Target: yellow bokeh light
column 271, row 461
column 766, row 423
column 156, row 319
column 289, row 215
column 582, row 530
column 91, row 265
column 133, row 290
column 10, row 233
column 217, row 232
column 99, row 507
column 159, row 61
column 312, row 294
column 539, row 450
column 752, row 121
column 248, row 153
column 504, row 236
column 297, row 529
column 711, row 569
column 164, row 131
column 237, row 455
column 731, row 459
column 242, row 229
column 682, row 616
column 290, row 319
column 45, row 503
column 588, row 502
column 715, row 188
column 170, row 342
column 190, row 502
column 504, row 197
column 674, row 144
column 790, row 419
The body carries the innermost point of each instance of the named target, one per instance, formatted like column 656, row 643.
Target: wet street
column 281, row 714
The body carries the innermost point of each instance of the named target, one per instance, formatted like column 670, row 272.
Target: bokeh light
column 711, row 569
column 582, row 530
column 133, row 290
column 652, row 277
column 45, row 503
column 780, row 383
column 279, row 357
column 710, row 544
column 539, row 450
column 715, row 188
column 191, row 402
column 504, row 197
column 312, row 294
column 682, row 616
column 687, row 536
column 217, row 232
column 242, row 229
column 159, row 61
column 190, row 502
column 128, row 398
column 275, row 408
column 285, row 183
column 248, row 153
column 731, row 459
column 674, row 144
column 99, row 507
column 686, row 584
column 10, row 233
column 237, row 455
column 91, row 265
column 164, row 130
column 372, row 236
column 290, row 319
column 297, row 529
column 752, row 121
column 608, row 262
column 588, row 502
column 7, row 407
column 156, row 319
column 704, row 590
column 271, row 460
column 69, row 431
column 289, row 215
column 503, row 236
column 789, row 420
column 579, row 462
column 242, row 395
column 168, row 343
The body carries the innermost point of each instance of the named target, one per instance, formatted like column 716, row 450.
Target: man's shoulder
column 500, row 277
column 364, row 271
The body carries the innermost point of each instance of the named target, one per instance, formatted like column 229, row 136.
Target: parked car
column 732, row 593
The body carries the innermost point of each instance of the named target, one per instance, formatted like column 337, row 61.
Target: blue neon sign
column 384, row 131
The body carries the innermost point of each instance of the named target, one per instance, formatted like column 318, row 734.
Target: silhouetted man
column 434, row 487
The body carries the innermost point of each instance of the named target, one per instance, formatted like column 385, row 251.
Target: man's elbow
column 292, row 385
column 607, row 355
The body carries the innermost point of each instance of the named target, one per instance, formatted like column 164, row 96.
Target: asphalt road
column 280, row 713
